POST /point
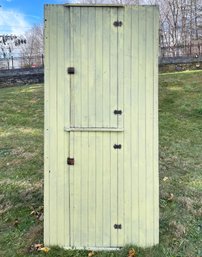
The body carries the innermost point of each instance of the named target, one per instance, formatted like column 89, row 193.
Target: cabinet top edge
column 104, row 5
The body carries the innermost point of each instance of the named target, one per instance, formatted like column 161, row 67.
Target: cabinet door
column 94, row 55
column 93, row 189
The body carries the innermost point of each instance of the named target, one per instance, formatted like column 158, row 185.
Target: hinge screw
column 117, row 146
column 118, row 23
column 70, row 161
column 118, row 112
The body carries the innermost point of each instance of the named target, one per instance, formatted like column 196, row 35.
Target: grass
column 21, row 171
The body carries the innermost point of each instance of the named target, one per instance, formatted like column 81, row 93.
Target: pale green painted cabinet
column 101, row 126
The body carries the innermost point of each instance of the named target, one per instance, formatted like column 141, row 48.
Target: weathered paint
column 115, row 69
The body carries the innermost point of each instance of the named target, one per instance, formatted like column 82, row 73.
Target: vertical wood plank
column 76, row 82
column 84, row 170
column 113, row 190
column 71, row 24
column 149, row 127
column 72, row 185
column 155, row 128
column 70, row 96
column 113, row 123
column 46, row 130
column 66, row 117
column 99, row 68
column 109, row 202
column 84, row 72
column 55, row 70
column 113, row 69
column 99, row 185
column 120, row 137
column 106, row 149
column 106, row 67
column 92, row 188
column 142, row 125
column 53, row 229
column 60, row 129
column 135, row 186
column 77, row 203
column 127, row 132
column 91, row 65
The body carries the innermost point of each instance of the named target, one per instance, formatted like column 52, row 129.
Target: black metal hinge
column 118, row 23
column 70, row 161
column 70, row 70
column 117, row 146
column 118, row 112
column 117, row 226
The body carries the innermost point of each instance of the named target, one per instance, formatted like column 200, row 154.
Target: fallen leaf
column 40, row 218
column 45, row 249
column 40, row 208
column 38, row 213
column 16, row 222
column 165, row 178
column 131, row 252
column 32, row 213
column 171, row 196
column 90, row 254
column 38, row 246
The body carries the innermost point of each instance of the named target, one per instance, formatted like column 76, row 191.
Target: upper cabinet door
column 94, row 55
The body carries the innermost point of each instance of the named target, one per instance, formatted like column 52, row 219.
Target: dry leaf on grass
column 178, row 229
column 38, row 246
column 131, row 252
column 37, row 213
column 90, row 254
column 16, row 222
column 41, row 217
column 165, row 178
column 32, row 212
column 45, row 249
column 171, row 196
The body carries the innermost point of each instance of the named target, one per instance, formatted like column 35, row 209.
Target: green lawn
column 21, row 170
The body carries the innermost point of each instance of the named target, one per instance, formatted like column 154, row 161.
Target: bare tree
column 180, row 26
column 9, row 44
column 32, row 52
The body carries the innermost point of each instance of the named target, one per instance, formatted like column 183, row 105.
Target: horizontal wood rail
column 94, row 129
